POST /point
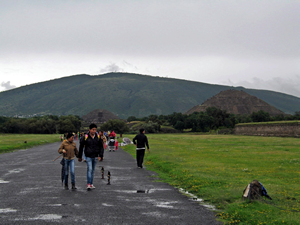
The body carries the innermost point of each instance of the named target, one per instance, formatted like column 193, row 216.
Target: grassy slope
column 10, row 142
column 123, row 94
column 218, row 168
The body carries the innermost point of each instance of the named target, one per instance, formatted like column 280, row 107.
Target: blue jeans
column 91, row 164
column 71, row 163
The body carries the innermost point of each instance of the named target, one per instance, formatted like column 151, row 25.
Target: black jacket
column 92, row 146
column 141, row 140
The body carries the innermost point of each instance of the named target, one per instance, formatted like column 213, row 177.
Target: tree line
column 40, row 125
column 212, row 119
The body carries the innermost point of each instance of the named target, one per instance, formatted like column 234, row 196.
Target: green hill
column 123, row 94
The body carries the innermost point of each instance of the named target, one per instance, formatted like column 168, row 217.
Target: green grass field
column 217, row 168
column 11, row 142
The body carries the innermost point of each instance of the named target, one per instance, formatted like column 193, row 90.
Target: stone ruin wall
column 275, row 129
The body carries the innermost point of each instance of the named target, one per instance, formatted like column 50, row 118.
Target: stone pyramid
column 236, row 102
column 99, row 116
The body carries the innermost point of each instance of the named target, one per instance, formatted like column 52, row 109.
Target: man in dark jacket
column 140, row 141
column 92, row 145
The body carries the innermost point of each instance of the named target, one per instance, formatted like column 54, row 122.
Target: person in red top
column 112, row 135
column 116, row 144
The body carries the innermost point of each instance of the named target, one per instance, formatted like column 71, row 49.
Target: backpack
column 86, row 136
column 255, row 190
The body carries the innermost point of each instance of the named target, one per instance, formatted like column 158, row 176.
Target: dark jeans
column 140, row 157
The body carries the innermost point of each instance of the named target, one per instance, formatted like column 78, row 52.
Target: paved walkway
column 31, row 193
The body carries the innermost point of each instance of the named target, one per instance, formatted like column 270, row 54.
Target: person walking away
column 102, row 136
column 69, row 150
column 92, row 144
column 140, row 141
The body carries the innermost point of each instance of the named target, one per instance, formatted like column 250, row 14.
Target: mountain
column 123, row 94
column 236, row 102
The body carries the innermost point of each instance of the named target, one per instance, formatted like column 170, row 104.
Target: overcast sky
column 250, row 43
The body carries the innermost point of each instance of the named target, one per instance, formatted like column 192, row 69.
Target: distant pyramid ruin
column 99, row 116
column 236, row 102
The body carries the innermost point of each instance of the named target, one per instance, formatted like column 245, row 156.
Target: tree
column 66, row 126
column 69, row 124
column 12, row 126
column 297, row 115
column 119, row 126
column 260, row 116
column 153, row 118
column 179, row 125
column 151, row 127
column 243, row 118
column 219, row 117
column 205, row 122
column 173, row 118
column 131, row 118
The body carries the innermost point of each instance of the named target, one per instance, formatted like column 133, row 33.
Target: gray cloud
column 284, row 85
column 111, row 68
column 7, row 85
column 231, row 28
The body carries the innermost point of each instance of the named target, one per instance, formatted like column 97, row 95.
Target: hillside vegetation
column 123, row 94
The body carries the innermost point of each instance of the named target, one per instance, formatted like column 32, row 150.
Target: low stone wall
column 269, row 129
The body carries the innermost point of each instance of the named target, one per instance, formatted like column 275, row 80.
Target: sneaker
column 92, row 186
column 89, row 187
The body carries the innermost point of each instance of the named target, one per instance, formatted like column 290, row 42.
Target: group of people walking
column 92, row 145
